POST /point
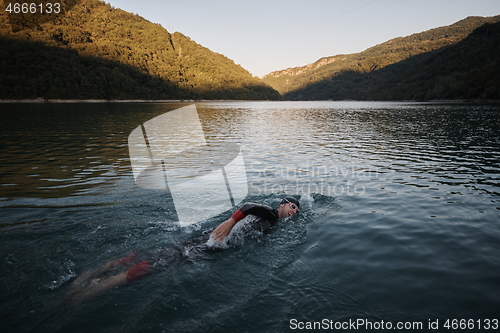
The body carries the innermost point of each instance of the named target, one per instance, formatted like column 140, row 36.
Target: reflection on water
column 169, row 152
column 59, row 149
column 399, row 220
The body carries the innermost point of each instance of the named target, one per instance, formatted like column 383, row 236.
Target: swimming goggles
column 292, row 205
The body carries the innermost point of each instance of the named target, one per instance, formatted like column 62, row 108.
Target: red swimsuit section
column 263, row 211
column 130, row 258
column 139, row 270
column 238, row 215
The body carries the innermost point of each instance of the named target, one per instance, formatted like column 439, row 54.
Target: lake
column 399, row 226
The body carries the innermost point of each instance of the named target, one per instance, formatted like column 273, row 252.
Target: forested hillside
column 96, row 51
column 400, row 68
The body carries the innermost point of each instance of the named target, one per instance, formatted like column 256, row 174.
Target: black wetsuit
column 146, row 262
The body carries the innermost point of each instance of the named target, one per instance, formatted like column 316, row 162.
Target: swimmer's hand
column 223, row 230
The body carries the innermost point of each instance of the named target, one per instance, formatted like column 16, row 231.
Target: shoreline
column 42, row 100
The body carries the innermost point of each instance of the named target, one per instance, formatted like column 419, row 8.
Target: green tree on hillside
column 97, row 51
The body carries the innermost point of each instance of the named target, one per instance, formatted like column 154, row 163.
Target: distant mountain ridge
column 96, row 51
column 365, row 75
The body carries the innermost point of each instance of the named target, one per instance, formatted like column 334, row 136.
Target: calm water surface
column 400, row 218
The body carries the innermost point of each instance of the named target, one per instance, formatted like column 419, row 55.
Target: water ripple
column 399, row 216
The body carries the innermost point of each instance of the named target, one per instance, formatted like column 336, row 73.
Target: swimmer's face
column 287, row 210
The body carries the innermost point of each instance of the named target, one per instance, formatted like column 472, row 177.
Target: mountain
column 442, row 63
column 95, row 51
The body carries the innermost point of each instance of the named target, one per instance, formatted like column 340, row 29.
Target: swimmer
column 137, row 265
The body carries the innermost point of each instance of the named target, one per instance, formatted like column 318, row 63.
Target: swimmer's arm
column 223, row 229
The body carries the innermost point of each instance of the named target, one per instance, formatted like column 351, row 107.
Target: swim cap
column 290, row 199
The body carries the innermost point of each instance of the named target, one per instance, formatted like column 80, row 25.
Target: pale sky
column 268, row 35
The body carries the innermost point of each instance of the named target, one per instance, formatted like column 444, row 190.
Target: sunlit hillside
column 96, row 51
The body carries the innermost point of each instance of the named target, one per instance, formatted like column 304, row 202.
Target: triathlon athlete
column 140, row 264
